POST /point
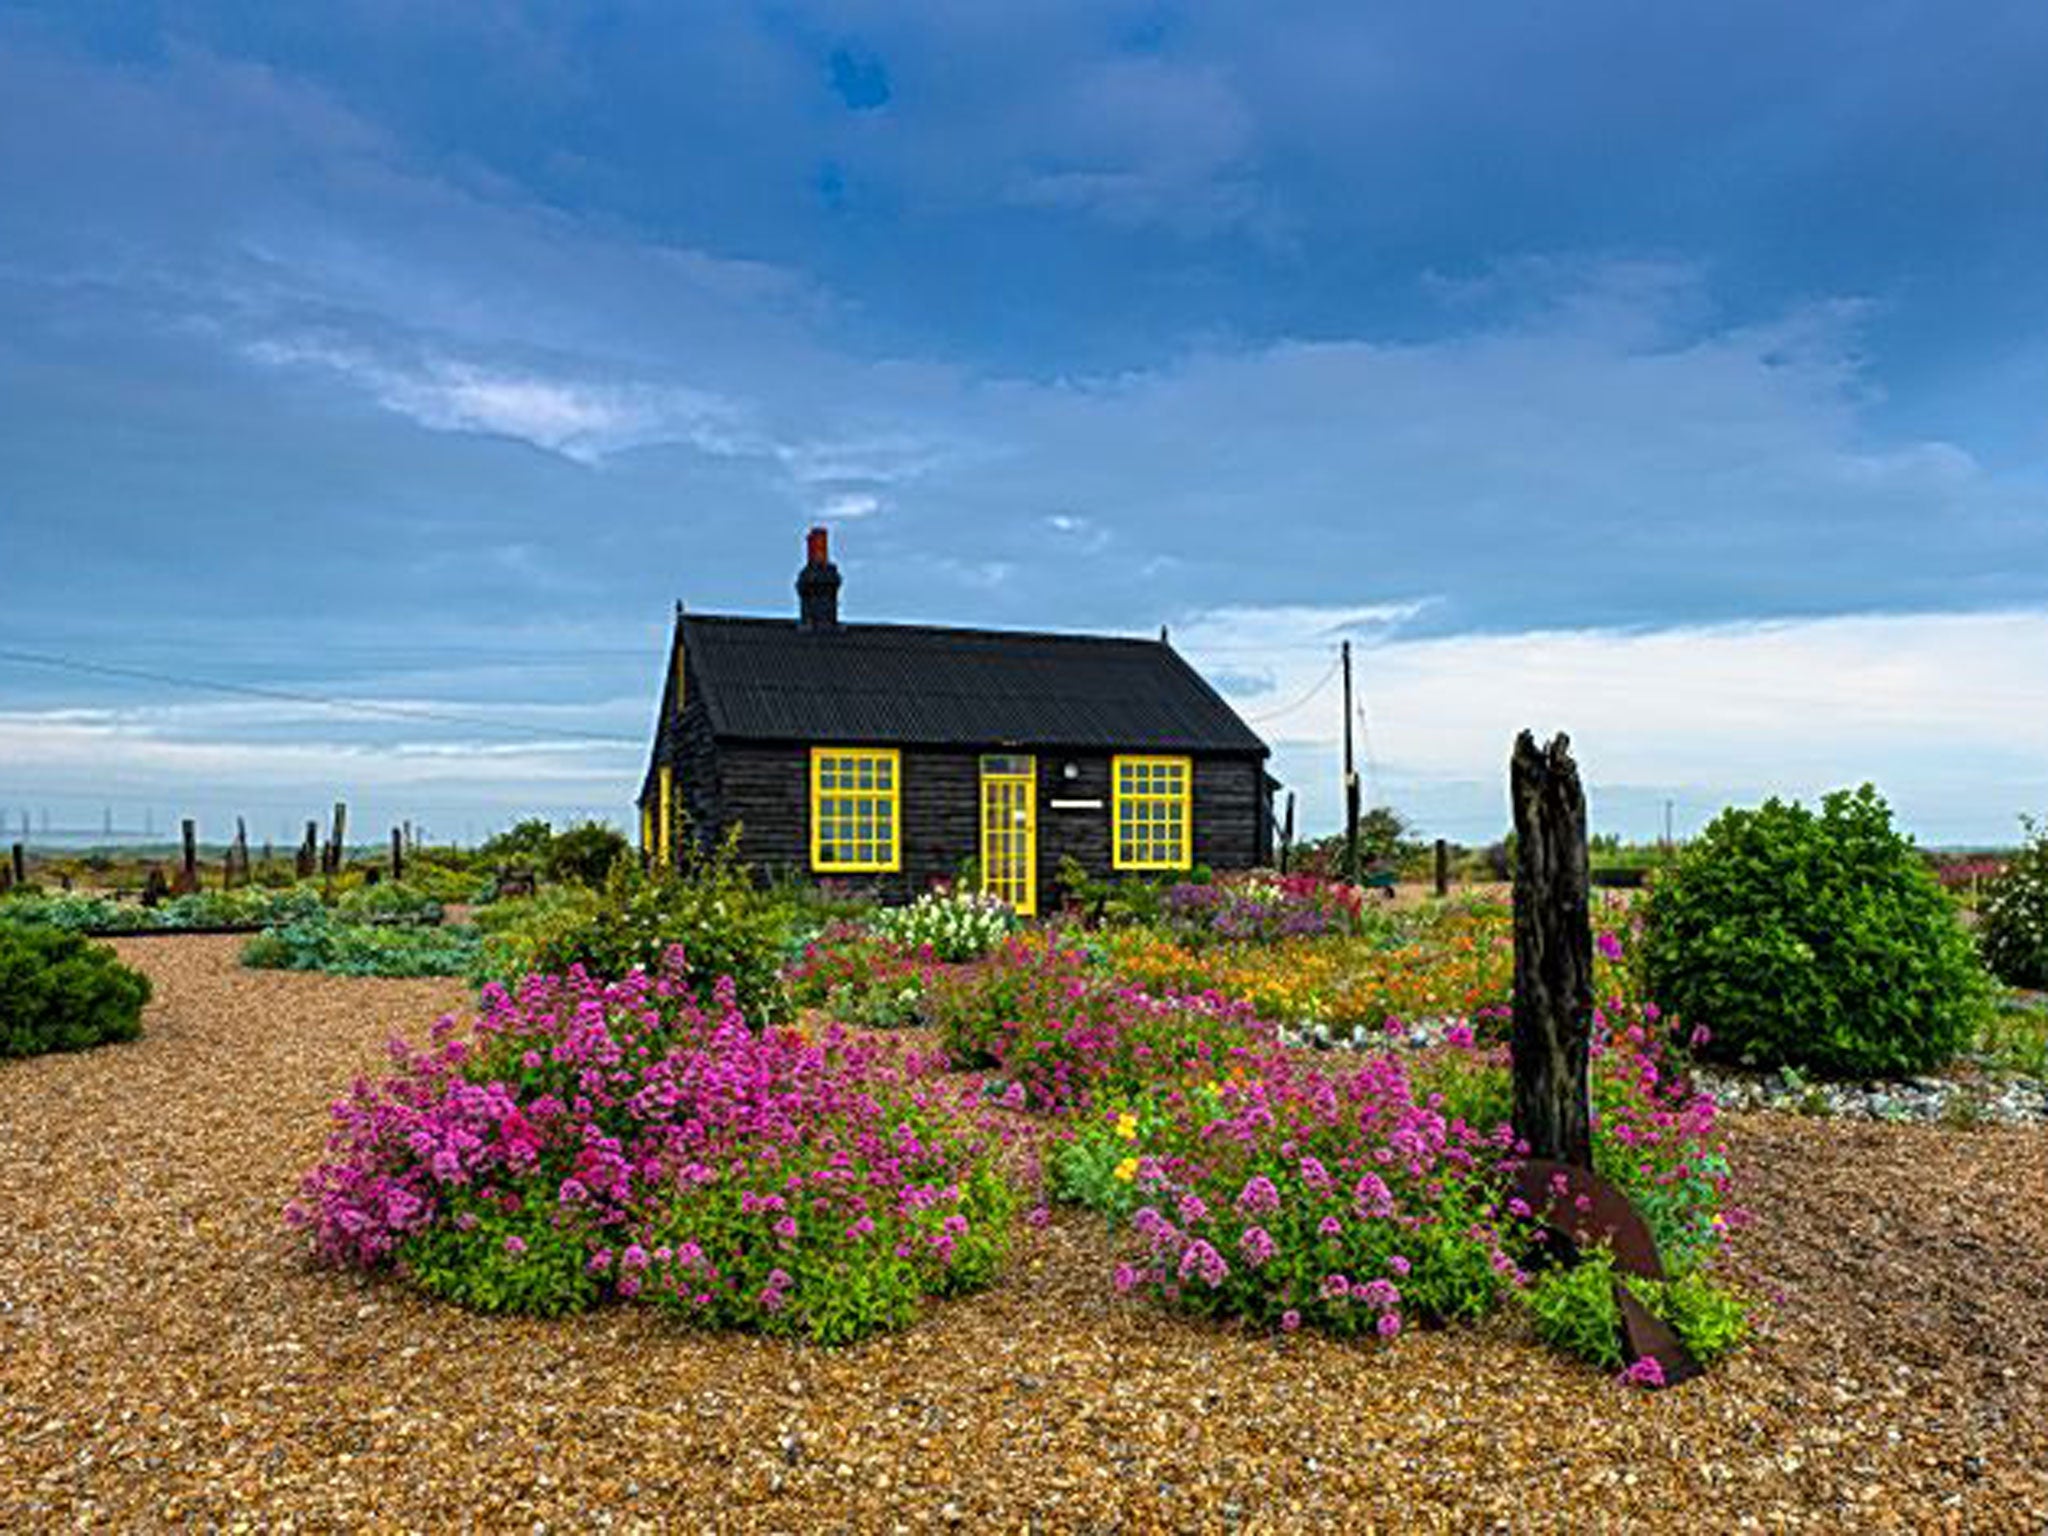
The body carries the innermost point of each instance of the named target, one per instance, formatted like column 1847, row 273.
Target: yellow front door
column 1009, row 831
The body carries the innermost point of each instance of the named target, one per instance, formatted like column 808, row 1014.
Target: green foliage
column 1126, row 900
column 60, row 993
column 586, row 854
column 388, row 902
column 1383, row 843
column 442, row 876
column 2014, row 1036
column 2014, row 909
column 203, row 909
column 321, row 943
column 1573, row 1310
column 526, row 843
column 1814, row 940
column 489, row 1260
column 725, row 925
column 519, row 935
column 830, row 1279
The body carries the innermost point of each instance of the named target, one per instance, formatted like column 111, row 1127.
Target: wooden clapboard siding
column 765, row 788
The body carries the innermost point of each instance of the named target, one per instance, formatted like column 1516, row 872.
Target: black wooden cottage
column 889, row 756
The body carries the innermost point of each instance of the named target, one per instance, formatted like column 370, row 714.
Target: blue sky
column 1679, row 379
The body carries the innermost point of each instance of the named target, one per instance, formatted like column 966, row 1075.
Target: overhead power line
column 290, row 696
column 1287, row 709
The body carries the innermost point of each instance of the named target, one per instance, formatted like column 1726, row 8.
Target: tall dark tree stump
column 309, row 851
column 1553, row 999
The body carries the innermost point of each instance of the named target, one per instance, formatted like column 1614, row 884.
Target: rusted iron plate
column 1644, row 1336
column 1588, row 1212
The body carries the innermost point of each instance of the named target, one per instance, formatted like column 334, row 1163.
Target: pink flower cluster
column 688, row 1155
column 1066, row 1033
column 1345, row 1200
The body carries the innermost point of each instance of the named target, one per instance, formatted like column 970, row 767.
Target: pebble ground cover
column 167, row 1355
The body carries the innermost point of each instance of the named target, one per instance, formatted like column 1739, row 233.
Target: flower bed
column 593, row 1140
column 1063, row 1032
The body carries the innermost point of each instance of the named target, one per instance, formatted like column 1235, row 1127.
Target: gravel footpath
column 167, row 1357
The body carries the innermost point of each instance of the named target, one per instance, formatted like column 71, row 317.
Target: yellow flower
column 1127, row 1126
column 1127, row 1170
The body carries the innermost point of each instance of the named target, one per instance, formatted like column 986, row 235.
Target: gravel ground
column 167, row 1358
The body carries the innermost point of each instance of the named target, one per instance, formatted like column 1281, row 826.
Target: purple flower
column 1389, row 1324
column 1259, row 1196
column 515, row 1245
column 1256, row 1244
column 1645, row 1373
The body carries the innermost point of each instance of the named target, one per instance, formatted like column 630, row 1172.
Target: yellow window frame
column 856, row 805
column 1154, row 800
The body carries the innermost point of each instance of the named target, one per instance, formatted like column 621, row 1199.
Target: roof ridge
column 869, row 626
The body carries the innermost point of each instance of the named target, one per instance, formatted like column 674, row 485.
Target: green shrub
column 725, row 925
column 586, row 854
column 58, row 992
column 2015, row 914
column 1818, row 941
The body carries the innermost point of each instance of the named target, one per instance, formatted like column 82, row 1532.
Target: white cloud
column 1943, row 711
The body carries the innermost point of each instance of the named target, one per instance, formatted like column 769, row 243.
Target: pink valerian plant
column 610, row 1112
column 1346, row 1177
column 1051, row 1022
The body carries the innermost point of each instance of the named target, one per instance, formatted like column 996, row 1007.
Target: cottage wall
column 765, row 788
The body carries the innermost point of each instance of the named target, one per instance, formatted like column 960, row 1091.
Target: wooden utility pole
column 1553, row 994
column 1350, row 781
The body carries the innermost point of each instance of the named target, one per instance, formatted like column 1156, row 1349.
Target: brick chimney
column 817, row 584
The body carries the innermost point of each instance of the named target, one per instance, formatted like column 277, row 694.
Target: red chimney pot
column 817, row 547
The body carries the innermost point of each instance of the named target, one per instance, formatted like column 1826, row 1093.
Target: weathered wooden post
column 1443, row 867
column 1553, row 992
column 332, row 864
column 1287, row 834
column 397, row 854
column 18, row 859
column 188, row 872
column 238, row 856
column 308, row 851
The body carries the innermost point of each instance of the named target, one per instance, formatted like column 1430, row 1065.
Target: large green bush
column 1813, row 940
column 726, row 925
column 2015, row 915
column 587, row 854
column 60, row 992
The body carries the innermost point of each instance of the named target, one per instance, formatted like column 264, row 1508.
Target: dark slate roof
column 911, row 684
